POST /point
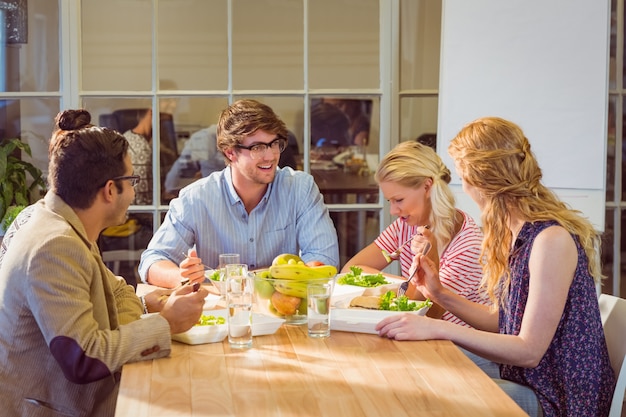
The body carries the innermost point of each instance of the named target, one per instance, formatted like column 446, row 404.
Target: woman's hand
column 192, row 267
column 407, row 326
column 426, row 280
column 423, row 235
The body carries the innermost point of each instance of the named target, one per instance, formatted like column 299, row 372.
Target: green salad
column 215, row 276
column 389, row 301
column 356, row 277
column 210, row 320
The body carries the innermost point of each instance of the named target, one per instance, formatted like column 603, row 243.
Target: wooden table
column 341, row 183
column 290, row 374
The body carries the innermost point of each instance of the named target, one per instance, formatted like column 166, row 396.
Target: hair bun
column 73, row 119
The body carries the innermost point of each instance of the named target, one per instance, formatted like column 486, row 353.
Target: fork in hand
column 405, row 285
column 396, row 253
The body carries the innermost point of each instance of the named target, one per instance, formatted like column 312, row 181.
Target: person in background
column 358, row 120
column 541, row 266
column 415, row 180
column 140, row 150
column 67, row 324
column 428, row 139
column 329, row 126
column 252, row 207
column 200, row 157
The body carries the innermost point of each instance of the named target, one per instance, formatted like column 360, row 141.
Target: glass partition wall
column 188, row 59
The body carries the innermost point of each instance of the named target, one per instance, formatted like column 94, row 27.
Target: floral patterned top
column 141, row 157
column 574, row 378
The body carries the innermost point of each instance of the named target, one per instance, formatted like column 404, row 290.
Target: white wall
column 542, row 65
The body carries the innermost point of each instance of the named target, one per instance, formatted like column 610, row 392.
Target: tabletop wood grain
column 290, row 374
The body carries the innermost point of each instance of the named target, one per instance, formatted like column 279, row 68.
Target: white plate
column 362, row 321
column 263, row 325
column 340, row 291
column 204, row 334
column 211, row 301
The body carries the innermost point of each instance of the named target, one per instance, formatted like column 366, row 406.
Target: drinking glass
column 318, row 309
column 239, row 295
column 225, row 259
column 228, row 258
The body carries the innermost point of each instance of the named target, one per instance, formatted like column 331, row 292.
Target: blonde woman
column 541, row 269
column 414, row 180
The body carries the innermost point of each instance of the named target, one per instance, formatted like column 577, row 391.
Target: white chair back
column 112, row 259
column 613, row 312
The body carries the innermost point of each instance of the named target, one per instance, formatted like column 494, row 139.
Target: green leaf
column 19, row 179
column 356, row 277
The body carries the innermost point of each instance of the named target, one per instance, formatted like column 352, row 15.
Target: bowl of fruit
column 280, row 290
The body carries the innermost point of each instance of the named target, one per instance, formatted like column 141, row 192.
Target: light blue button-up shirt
column 208, row 214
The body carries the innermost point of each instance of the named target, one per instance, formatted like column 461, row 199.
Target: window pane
column 611, row 150
column 193, row 126
column 613, row 47
column 420, row 37
column 133, row 245
column 418, row 119
column 267, row 44
column 29, row 45
column 620, row 151
column 355, row 230
column 193, row 50
column 31, row 120
column 608, row 239
column 344, row 44
column 116, row 45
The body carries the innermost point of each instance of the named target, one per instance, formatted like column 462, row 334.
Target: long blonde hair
column 410, row 164
column 494, row 156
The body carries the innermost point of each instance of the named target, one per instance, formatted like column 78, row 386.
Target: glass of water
column 239, row 295
column 318, row 309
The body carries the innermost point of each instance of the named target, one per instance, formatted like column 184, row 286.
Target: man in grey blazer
column 67, row 324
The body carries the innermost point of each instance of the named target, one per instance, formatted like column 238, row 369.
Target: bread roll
column 369, row 302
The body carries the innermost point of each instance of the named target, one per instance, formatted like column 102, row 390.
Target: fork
column 405, row 285
column 396, row 253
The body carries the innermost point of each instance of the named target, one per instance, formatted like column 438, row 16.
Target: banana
column 285, row 258
column 302, row 272
column 294, row 289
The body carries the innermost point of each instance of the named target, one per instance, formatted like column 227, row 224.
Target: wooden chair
column 613, row 312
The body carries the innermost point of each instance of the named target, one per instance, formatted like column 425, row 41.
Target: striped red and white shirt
column 459, row 268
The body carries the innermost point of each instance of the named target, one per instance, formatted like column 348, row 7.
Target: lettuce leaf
column 357, row 278
column 389, row 301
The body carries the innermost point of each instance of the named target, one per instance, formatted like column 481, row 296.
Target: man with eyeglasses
column 252, row 207
column 67, row 324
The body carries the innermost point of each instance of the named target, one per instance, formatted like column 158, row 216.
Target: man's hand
column 191, row 267
column 156, row 299
column 183, row 308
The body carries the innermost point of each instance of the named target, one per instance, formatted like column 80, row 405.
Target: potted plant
column 16, row 189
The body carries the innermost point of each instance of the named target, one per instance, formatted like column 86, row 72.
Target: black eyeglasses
column 133, row 179
column 257, row 150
